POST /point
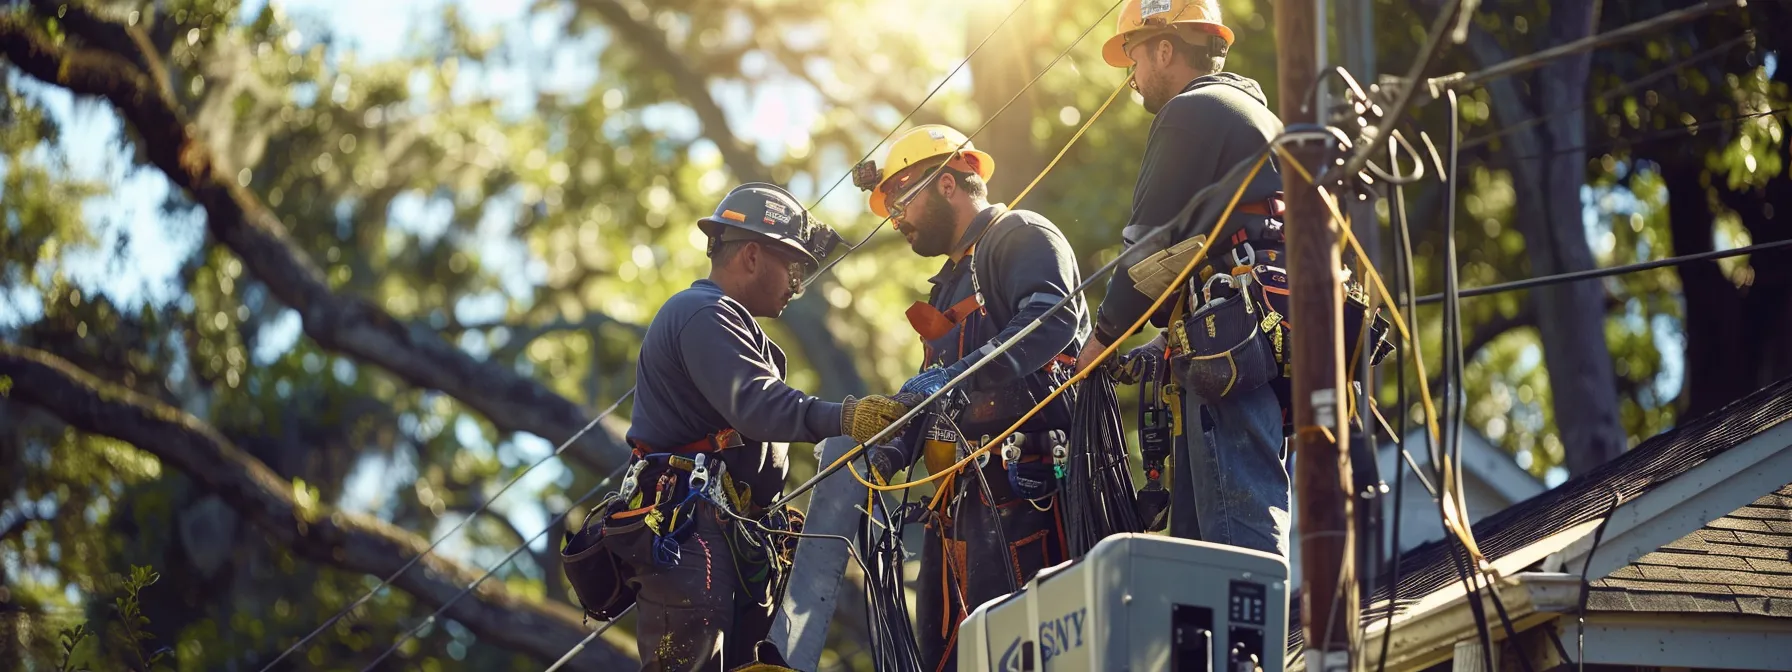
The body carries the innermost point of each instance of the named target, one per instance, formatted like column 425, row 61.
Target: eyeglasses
column 898, row 205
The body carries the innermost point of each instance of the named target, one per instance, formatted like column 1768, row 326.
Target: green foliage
column 70, row 639
column 542, row 231
column 129, row 632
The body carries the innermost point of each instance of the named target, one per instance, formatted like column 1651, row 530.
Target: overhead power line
column 1527, row 62
column 1561, row 278
column 1614, row 92
column 1688, row 129
column 456, row 528
column 481, row 508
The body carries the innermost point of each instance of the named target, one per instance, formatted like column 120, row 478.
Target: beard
column 932, row 228
column 1156, row 94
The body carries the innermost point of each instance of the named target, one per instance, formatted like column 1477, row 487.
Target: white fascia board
column 1701, row 641
column 1713, row 489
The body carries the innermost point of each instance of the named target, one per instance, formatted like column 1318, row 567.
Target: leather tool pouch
column 1228, row 353
column 1154, row 274
column 597, row 576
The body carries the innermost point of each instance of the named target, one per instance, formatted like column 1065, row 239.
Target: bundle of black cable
column 1098, row 492
column 893, row 645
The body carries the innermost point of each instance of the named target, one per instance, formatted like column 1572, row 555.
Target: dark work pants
column 691, row 615
column 964, row 565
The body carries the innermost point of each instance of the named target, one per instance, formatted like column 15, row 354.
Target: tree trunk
column 1735, row 335
column 1004, row 65
column 1548, row 165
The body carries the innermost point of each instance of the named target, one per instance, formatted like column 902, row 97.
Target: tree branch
column 808, row 316
column 129, row 42
column 236, row 217
column 690, row 84
column 522, row 335
column 350, row 541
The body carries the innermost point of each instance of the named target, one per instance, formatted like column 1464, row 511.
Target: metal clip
column 700, row 472
column 1248, row 259
column 1011, row 450
column 1207, row 287
column 983, row 458
column 629, row 481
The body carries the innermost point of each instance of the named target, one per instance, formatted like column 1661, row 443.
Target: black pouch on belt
column 597, row 576
column 1228, row 353
column 1356, row 311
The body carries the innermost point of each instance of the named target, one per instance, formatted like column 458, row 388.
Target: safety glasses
column 909, row 186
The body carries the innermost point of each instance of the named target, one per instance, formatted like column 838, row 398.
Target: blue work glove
column 926, row 383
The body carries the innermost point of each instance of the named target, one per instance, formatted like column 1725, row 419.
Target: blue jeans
column 1234, row 474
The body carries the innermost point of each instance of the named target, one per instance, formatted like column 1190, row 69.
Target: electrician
column 1004, row 268
column 711, row 413
column 1206, row 122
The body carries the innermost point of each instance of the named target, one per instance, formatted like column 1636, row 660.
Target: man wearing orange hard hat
column 997, row 523
column 1228, row 369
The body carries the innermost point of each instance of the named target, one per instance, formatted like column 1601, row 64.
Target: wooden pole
column 1321, row 465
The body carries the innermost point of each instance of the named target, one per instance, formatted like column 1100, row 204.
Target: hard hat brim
column 986, row 167
column 1114, row 50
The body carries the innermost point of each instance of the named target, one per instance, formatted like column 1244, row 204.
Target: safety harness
column 660, row 492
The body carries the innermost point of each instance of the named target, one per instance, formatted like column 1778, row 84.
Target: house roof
column 1430, row 567
column 1738, row 564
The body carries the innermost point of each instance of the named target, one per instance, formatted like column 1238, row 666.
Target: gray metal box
column 1136, row 602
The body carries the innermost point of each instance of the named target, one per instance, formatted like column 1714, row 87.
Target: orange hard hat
column 1151, row 16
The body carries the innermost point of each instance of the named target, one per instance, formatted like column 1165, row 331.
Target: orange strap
column 727, row 438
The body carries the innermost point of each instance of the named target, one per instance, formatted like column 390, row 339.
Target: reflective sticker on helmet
column 730, row 214
column 776, row 213
column 936, row 134
column 1150, row 8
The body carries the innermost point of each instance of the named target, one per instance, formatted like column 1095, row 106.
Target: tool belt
column 661, row 493
column 1027, row 465
column 1234, row 335
column 1153, row 275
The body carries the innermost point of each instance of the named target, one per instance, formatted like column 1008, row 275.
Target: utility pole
column 1321, row 464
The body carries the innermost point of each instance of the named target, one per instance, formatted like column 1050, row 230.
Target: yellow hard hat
column 922, row 143
column 1155, row 15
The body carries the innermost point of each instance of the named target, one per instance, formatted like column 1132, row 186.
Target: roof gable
column 1584, row 499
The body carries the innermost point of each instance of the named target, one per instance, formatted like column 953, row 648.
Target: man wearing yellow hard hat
column 1207, row 121
column 997, row 523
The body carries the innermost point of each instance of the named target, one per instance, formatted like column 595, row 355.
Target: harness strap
column 714, row 443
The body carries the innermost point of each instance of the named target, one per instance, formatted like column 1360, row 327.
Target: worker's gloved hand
column 886, row 460
column 862, row 419
column 927, row 382
column 1133, row 365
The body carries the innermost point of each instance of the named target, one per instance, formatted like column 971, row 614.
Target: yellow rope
column 1080, row 375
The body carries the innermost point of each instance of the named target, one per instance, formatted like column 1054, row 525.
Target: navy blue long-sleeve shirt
column 1216, row 122
column 705, row 366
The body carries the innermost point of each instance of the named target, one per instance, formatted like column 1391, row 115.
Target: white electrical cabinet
column 1138, row 602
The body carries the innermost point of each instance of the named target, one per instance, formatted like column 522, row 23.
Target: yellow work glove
column 862, row 419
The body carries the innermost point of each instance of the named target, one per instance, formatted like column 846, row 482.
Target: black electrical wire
column 1589, row 274
column 995, row 523
column 1403, row 98
column 893, row 645
column 1627, row 87
column 935, row 172
column 917, row 108
column 1580, row 659
column 1403, row 280
column 1453, row 379
column 1535, row 60
column 1097, row 492
column 1175, row 224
